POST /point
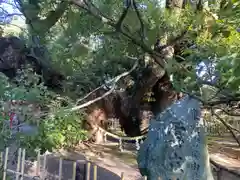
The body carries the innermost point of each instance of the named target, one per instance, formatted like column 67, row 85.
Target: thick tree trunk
column 131, row 113
column 164, row 94
column 98, row 115
column 145, row 115
column 135, row 114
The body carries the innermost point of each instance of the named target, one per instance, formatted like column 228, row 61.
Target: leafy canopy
column 89, row 46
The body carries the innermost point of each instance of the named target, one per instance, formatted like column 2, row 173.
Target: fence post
column 120, row 145
column 38, row 163
column 122, row 176
column 60, row 168
column 105, row 138
column 1, row 159
column 18, row 163
column 137, row 144
column 94, row 172
column 23, row 163
column 5, row 164
column 88, row 171
column 44, row 165
column 74, row 170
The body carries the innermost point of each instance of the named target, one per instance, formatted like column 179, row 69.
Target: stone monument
column 176, row 147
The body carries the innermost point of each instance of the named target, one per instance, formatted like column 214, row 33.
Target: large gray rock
column 175, row 147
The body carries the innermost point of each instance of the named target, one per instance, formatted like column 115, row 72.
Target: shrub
column 55, row 129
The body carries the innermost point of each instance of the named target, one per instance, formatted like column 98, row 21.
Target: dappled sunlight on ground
column 226, row 146
column 110, row 157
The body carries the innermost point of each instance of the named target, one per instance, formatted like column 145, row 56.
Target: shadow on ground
column 51, row 170
column 67, row 170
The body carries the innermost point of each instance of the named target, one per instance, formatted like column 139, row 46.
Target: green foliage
column 217, row 40
column 61, row 131
column 71, row 42
column 87, row 50
column 56, row 129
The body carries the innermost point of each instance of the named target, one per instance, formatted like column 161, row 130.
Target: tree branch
column 97, row 13
column 118, row 25
column 90, row 4
column 10, row 14
column 113, row 81
column 39, row 26
column 54, row 16
column 140, row 20
column 227, row 126
column 87, row 95
column 230, row 113
column 22, row 29
column 222, row 101
column 210, row 104
column 135, row 41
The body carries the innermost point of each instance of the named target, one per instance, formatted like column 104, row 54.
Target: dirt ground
column 226, row 153
column 109, row 160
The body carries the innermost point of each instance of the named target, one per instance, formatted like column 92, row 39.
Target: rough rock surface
column 175, row 146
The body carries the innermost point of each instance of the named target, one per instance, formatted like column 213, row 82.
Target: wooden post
column 122, row 176
column 38, row 163
column 44, row 165
column 74, row 170
column 120, row 145
column 5, row 164
column 219, row 174
column 60, row 169
column 1, row 159
column 105, row 138
column 18, row 163
column 94, row 172
column 23, row 163
column 88, row 171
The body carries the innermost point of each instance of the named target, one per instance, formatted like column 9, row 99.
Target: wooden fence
column 19, row 172
column 212, row 126
column 90, row 170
